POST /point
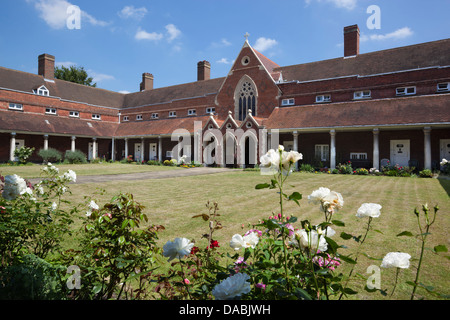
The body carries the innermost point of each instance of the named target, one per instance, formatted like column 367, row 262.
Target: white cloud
column 172, row 32
column 132, row 12
column 347, row 4
column 54, row 13
column 144, row 35
column 401, row 33
column 66, row 64
column 224, row 61
column 263, row 44
column 99, row 77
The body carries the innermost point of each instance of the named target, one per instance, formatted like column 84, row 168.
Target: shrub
column 154, row 163
column 23, row 153
column 361, row 171
column 50, row 155
column 76, row 156
column 426, row 173
column 306, row 168
column 345, row 168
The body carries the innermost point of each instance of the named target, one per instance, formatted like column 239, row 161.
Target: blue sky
column 119, row 40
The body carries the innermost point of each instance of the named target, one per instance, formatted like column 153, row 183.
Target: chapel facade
column 390, row 105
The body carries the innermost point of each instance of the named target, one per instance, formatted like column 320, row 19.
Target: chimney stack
column 203, row 70
column 351, row 41
column 46, row 66
column 147, row 82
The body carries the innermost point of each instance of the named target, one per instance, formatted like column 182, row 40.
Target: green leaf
column 346, row 236
column 295, row 196
column 121, row 240
column 338, row 223
column 347, row 259
column 262, row 186
column 405, row 233
column 440, row 248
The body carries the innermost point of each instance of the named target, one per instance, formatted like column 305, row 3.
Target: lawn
column 172, row 202
column 34, row 170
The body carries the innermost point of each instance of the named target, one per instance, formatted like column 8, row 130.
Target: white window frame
column 192, row 112
column 74, row 114
column 324, row 151
column 126, row 118
column 443, row 87
column 96, row 117
column 288, row 102
column 363, row 94
column 172, row 114
column 210, row 110
column 15, row 106
column 323, row 98
column 139, row 117
column 403, row 91
column 155, row 116
column 42, row 91
column 49, row 110
column 358, row 155
column 169, row 154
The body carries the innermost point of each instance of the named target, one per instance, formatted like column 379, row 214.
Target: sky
column 118, row 40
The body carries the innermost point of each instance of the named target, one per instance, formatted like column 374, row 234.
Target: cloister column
column 94, row 148
column 159, row 149
column 12, row 146
column 126, row 148
column 113, row 149
column 142, row 150
column 376, row 149
column 333, row 149
column 427, row 148
column 295, row 147
column 72, row 145
column 45, row 141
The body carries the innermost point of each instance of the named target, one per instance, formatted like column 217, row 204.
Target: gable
column 252, row 65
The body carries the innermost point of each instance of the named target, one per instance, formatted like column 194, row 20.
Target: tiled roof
column 47, row 124
column 384, row 112
column 422, row 55
column 26, row 82
column 177, row 92
column 158, row 127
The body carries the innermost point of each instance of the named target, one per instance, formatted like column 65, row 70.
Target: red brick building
column 367, row 108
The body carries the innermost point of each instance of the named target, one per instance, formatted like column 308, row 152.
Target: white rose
column 369, row 210
column 231, row 287
column 396, row 260
column 251, row 240
column 179, row 248
column 311, row 240
column 14, row 186
column 318, row 195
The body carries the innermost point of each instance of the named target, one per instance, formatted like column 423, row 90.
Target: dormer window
column 323, row 98
column 405, row 91
column 42, row 91
column 288, row 102
column 192, row 112
column 74, row 114
column 172, row 114
column 155, row 116
column 443, row 87
column 15, row 106
column 366, row 94
column 50, row 111
column 126, row 118
column 139, row 117
column 96, row 117
column 210, row 110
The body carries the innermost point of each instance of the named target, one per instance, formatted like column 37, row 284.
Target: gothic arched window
column 245, row 98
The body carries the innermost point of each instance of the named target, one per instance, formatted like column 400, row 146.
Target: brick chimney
column 351, row 41
column 203, row 70
column 147, row 82
column 46, row 67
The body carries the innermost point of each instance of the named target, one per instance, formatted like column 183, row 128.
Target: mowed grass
column 172, row 202
column 34, row 170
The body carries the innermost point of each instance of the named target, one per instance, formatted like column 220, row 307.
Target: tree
column 74, row 74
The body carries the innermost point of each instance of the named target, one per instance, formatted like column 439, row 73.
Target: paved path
column 147, row 175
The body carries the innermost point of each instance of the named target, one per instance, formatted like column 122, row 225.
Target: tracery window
column 245, row 98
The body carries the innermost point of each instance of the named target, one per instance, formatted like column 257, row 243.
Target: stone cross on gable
column 246, row 35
